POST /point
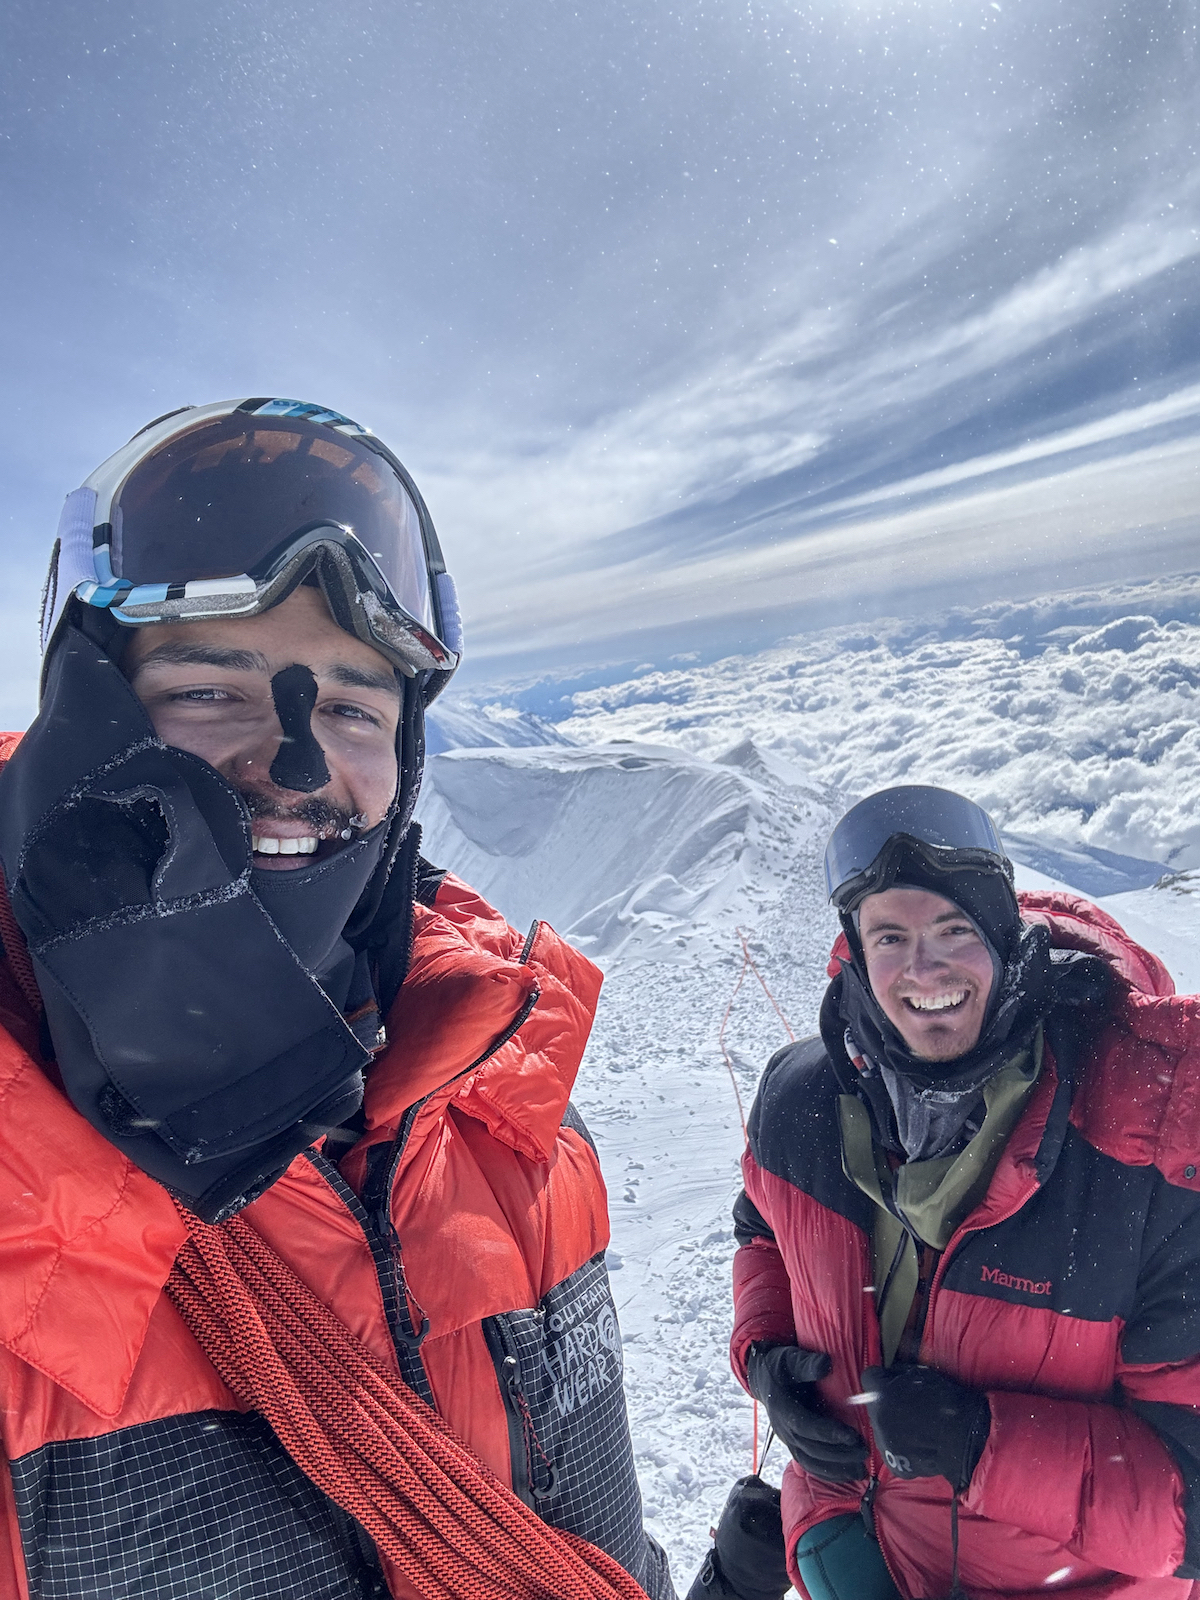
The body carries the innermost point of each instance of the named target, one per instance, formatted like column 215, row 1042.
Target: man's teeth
column 268, row 846
column 936, row 1002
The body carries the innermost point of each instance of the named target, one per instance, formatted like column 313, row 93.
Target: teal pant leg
column 839, row 1560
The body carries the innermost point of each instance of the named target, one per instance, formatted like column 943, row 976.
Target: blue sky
column 697, row 323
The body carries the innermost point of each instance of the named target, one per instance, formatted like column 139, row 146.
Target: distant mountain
column 454, row 725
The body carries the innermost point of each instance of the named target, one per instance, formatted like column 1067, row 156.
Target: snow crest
column 627, row 847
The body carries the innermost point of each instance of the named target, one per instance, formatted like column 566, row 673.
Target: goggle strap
column 73, row 565
column 449, row 615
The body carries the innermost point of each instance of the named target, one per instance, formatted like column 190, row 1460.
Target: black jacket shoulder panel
column 794, row 1131
column 749, row 1222
column 1179, row 1429
column 1163, row 1325
column 571, row 1119
column 797, row 1086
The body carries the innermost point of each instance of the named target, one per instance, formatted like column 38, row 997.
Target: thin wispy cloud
column 679, row 456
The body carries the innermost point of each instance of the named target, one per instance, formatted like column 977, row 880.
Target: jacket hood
column 486, row 1022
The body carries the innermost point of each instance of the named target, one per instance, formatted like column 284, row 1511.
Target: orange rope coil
column 454, row 1531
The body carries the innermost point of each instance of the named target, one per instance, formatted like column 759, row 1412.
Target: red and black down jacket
column 462, row 1239
column 1071, row 1295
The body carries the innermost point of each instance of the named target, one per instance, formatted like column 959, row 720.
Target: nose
column 924, row 960
column 299, row 762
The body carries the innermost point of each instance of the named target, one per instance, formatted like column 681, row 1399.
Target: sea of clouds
column 1074, row 719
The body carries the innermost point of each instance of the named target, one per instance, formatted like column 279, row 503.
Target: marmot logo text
column 1007, row 1281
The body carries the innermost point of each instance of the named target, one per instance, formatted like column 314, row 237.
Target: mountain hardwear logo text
column 1007, row 1281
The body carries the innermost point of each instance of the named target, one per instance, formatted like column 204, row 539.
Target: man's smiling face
column 929, row 970
column 207, row 689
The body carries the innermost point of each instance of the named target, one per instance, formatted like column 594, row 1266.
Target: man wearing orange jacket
column 302, row 1290
column 968, row 1284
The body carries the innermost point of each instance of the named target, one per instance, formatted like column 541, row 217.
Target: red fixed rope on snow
column 748, row 965
column 359, row 1433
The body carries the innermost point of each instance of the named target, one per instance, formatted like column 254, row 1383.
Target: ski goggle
column 946, row 831
column 221, row 511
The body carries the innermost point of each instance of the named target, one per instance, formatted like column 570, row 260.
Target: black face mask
column 311, row 907
column 195, row 1005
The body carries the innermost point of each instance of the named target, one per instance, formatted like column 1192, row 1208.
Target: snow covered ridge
column 451, row 726
column 629, row 846
column 1075, row 720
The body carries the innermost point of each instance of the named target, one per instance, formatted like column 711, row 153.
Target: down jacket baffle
column 1070, row 1294
column 461, row 1239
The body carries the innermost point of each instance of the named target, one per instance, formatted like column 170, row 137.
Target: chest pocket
column 560, row 1368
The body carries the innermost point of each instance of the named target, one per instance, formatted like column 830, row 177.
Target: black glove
column 926, row 1424
column 784, row 1377
column 747, row 1562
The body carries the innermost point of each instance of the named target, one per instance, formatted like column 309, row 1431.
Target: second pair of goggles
column 221, row 510
column 948, row 832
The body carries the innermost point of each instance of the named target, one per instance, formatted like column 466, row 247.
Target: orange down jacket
column 461, row 1239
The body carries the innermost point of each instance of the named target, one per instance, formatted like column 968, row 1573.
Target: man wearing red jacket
column 968, row 1284
column 302, row 1287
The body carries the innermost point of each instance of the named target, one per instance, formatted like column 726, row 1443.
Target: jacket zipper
column 504, row 1359
column 914, row 1329
column 958, row 1239
column 388, row 1270
column 866, row 1509
column 534, row 1475
column 994, row 1222
column 382, row 1189
column 867, row 1502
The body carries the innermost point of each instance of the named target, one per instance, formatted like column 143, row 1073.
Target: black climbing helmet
column 222, row 510
column 917, row 836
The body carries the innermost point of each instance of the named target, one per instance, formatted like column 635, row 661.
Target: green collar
column 926, row 1200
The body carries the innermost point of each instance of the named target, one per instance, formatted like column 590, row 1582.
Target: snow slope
column 649, row 859
column 635, row 847
column 696, row 803
column 449, row 725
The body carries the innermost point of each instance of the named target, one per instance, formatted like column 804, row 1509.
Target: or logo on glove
column 927, row 1425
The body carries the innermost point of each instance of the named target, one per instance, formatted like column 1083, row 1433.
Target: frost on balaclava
column 210, row 1020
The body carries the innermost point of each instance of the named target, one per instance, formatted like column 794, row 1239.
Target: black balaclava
column 197, row 1007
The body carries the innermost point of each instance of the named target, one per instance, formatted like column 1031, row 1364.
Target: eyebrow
column 899, row 927
column 179, row 653
column 362, row 678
